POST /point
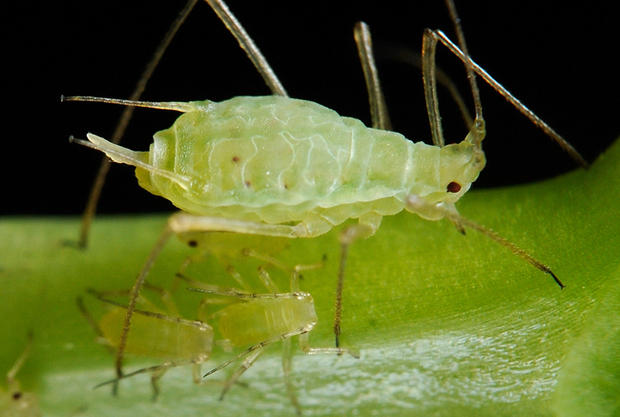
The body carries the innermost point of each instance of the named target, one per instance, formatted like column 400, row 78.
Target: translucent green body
column 158, row 338
column 276, row 160
column 264, row 319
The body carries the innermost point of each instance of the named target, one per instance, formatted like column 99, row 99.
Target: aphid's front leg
column 430, row 39
column 367, row 226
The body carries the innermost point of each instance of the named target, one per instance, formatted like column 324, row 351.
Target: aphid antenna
column 161, row 105
column 123, row 122
column 414, row 201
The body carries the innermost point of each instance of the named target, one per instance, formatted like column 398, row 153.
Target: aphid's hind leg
column 95, row 192
column 367, row 226
column 248, row 45
column 378, row 109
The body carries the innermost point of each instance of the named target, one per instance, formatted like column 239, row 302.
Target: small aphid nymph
column 14, row 402
column 155, row 334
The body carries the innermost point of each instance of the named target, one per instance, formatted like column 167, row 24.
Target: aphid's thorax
column 158, row 338
column 262, row 319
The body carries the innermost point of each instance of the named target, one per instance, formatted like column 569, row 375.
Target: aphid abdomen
column 157, row 338
column 263, row 319
column 276, row 159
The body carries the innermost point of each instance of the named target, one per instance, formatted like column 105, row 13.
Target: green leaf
column 447, row 325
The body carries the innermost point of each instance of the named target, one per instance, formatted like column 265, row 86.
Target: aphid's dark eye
column 453, row 187
column 17, row 395
column 192, row 243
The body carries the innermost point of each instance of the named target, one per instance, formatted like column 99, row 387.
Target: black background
column 559, row 58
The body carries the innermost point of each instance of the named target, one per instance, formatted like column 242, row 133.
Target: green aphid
column 278, row 166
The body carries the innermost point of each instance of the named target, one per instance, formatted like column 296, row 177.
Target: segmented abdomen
column 275, row 156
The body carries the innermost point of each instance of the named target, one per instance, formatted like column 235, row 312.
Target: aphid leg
column 11, row 381
column 294, row 272
column 245, row 365
column 236, row 276
column 432, row 36
column 287, row 367
column 413, row 58
column 155, row 377
column 91, row 206
column 418, row 204
column 265, row 278
column 304, row 345
column 144, row 302
column 247, row 44
column 166, row 298
column 156, row 369
column 429, row 71
column 367, row 226
column 93, row 323
column 224, row 293
column 133, row 298
column 234, row 292
column 378, row 109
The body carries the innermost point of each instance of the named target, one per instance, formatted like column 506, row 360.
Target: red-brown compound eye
column 453, row 187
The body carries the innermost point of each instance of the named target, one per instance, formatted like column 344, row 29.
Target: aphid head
column 460, row 164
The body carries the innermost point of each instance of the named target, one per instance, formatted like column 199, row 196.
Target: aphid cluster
column 244, row 320
column 285, row 168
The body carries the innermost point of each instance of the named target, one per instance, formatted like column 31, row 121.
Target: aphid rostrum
column 154, row 334
column 278, row 166
column 14, row 402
